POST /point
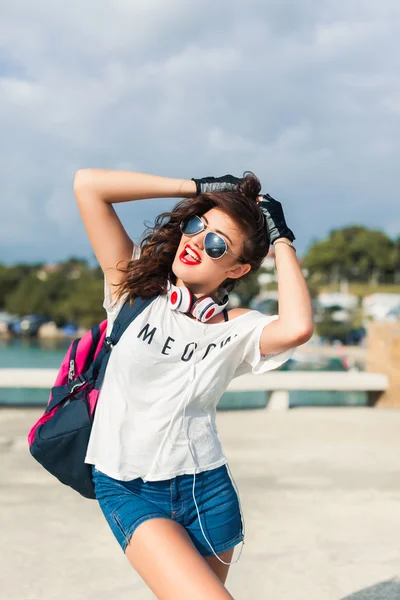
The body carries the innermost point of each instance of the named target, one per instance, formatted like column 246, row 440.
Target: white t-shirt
column 163, row 382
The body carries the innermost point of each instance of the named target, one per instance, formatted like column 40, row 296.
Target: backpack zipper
column 71, row 370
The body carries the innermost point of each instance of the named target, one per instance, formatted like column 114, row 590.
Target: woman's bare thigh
column 164, row 556
column 220, row 569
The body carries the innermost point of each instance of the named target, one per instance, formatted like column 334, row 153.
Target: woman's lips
column 187, row 259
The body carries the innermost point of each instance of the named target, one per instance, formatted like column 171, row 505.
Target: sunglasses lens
column 192, row 226
column 214, row 245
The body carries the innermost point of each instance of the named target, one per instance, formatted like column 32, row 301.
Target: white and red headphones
column 203, row 308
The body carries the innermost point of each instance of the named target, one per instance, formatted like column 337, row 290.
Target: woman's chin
column 187, row 273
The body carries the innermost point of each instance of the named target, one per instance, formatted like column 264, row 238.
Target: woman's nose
column 198, row 239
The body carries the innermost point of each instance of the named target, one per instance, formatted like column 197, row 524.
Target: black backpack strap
column 97, row 370
column 126, row 315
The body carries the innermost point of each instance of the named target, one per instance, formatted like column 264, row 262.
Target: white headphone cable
column 194, row 474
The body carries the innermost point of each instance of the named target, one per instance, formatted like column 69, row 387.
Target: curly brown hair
column 148, row 275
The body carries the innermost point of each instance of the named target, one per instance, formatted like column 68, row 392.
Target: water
column 25, row 353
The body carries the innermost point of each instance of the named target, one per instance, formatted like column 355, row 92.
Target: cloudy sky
column 305, row 94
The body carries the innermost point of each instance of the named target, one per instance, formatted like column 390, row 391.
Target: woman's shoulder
column 233, row 314
column 255, row 317
column 237, row 312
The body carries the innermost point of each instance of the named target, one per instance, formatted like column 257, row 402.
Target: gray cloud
column 305, row 94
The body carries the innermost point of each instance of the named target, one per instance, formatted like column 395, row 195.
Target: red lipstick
column 187, row 259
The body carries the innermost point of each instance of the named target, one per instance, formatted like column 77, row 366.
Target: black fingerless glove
column 210, row 185
column 275, row 219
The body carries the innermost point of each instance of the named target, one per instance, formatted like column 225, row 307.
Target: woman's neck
column 197, row 291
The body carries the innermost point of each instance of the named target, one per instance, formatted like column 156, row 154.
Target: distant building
column 378, row 306
column 43, row 273
column 344, row 301
column 47, row 270
column 269, row 261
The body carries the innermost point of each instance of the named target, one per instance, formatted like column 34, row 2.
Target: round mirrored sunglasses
column 214, row 245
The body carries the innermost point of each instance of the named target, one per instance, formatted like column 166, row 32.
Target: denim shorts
column 127, row 504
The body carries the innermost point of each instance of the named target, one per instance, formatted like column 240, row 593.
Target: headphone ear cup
column 204, row 308
column 180, row 298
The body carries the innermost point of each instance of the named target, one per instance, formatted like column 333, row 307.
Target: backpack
column 59, row 439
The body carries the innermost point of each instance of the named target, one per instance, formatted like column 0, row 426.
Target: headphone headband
column 203, row 308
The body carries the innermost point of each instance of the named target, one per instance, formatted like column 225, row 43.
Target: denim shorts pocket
column 226, row 495
column 229, row 504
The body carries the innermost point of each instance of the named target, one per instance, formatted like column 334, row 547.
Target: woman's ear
column 238, row 271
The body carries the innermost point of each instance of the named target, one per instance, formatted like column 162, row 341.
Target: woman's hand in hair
column 275, row 219
column 212, row 185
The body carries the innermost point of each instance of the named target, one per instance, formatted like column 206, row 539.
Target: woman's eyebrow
column 218, row 231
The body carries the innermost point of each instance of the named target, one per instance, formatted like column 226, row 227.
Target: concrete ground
column 320, row 489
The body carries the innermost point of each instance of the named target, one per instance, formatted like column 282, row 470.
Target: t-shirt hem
column 156, row 476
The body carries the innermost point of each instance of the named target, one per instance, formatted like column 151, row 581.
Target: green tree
column 84, row 303
column 11, row 277
column 354, row 253
column 70, row 293
column 330, row 328
column 34, row 295
column 247, row 288
column 397, row 261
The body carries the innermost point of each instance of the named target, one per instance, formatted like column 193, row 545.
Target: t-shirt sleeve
column 113, row 306
column 252, row 359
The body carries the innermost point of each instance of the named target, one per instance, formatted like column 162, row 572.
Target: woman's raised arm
column 96, row 190
column 295, row 324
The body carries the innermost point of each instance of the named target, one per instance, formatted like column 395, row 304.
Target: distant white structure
column 267, row 295
column 5, row 320
column 341, row 315
column 345, row 301
column 265, row 278
column 7, row 317
column 378, row 306
column 393, row 315
column 234, row 300
column 269, row 261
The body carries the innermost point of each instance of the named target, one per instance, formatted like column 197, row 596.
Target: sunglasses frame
column 204, row 226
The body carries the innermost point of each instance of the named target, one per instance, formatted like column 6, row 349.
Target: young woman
column 159, row 470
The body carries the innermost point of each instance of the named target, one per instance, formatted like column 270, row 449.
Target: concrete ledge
column 351, row 381
column 27, row 378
